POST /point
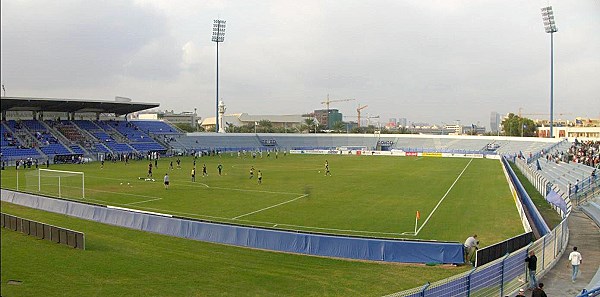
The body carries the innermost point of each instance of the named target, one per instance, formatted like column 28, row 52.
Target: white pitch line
column 251, row 221
column 278, row 204
column 440, row 202
column 143, row 201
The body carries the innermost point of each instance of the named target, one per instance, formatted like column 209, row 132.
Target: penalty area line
column 269, row 207
column 156, row 199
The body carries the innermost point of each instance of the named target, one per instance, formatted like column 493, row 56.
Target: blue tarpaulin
column 387, row 250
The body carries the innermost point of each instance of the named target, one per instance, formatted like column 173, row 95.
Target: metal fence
column 500, row 277
column 43, row 231
column 500, row 249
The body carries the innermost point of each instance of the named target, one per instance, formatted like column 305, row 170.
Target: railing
column 500, row 277
column 586, row 189
column 546, row 150
column 591, row 293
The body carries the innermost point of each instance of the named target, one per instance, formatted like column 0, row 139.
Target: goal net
column 57, row 183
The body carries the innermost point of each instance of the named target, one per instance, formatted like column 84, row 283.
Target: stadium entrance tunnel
column 371, row 249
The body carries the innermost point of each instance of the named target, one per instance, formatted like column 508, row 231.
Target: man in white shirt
column 471, row 245
column 575, row 258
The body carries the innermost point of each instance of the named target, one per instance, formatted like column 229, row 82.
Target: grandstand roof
column 73, row 105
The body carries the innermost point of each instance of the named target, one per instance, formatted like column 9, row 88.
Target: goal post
column 61, row 183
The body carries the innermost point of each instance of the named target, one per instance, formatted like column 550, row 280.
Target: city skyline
column 427, row 61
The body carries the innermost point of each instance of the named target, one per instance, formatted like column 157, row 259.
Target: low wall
column 373, row 249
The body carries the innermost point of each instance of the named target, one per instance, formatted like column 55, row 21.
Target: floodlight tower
column 550, row 27
column 218, row 36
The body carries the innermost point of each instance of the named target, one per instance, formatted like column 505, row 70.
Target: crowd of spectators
column 585, row 152
column 10, row 139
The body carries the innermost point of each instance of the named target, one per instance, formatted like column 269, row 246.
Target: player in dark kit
column 251, row 172
column 327, row 172
column 220, row 167
column 204, row 173
column 150, row 169
column 178, row 163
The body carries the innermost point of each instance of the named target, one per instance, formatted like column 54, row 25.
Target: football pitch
column 374, row 196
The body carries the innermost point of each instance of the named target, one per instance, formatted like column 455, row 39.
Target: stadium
column 331, row 214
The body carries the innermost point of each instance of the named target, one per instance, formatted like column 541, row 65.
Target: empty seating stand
column 155, row 127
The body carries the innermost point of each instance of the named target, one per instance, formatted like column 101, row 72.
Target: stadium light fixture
column 218, row 35
column 550, row 27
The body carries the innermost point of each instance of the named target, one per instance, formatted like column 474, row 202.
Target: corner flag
column 417, row 221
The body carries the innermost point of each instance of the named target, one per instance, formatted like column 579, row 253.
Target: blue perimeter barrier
column 537, row 218
column 303, row 243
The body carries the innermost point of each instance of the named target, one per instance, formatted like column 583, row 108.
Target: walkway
column 584, row 234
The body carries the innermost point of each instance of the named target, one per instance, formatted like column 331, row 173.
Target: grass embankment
column 125, row 262
column 551, row 217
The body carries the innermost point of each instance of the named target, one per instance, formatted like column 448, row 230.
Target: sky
column 427, row 61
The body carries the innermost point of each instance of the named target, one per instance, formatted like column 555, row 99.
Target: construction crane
column 539, row 114
column 326, row 102
column 368, row 119
column 358, row 112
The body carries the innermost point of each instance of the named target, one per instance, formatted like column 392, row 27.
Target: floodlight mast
column 218, row 35
column 550, row 27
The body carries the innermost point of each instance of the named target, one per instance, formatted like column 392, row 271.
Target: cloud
column 55, row 44
column 434, row 61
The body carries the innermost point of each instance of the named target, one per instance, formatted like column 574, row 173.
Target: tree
column 309, row 125
column 265, row 126
column 185, row 127
column 230, row 128
column 515, row 125
column 404, row 130
column 339, row 126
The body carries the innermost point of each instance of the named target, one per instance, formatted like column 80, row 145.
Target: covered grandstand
column 74, row 130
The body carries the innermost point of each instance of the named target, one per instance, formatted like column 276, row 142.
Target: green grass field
column 365, row 196
column 124, row 262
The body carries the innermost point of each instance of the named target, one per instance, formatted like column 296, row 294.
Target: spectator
column 471, row 245
column 539, row 291
column 532, row 267
column 575, row 258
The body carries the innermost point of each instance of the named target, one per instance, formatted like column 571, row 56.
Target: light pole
column 550, row 27
column 218, row 36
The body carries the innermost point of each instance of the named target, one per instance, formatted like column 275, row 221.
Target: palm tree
column 339, row 126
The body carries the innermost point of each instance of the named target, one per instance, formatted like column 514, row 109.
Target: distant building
column 474, row 130
column 495, row 122
column 402, row 122
column 328, row 117
column 570, row 132
column 186, row 117
column 242, row 119
column 456, row 129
